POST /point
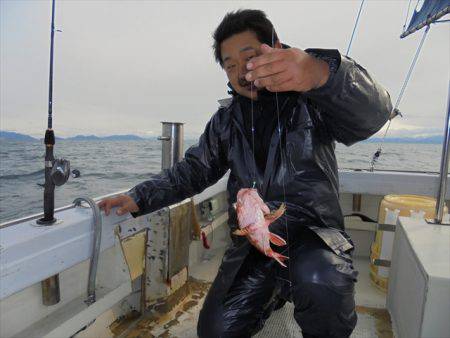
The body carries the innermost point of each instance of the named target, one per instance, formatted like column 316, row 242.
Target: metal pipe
column 172, row 144
column 50, row 290
column 356, row 205
column 440, row 203
column 95, row 247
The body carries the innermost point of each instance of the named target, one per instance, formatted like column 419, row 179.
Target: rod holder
column 50, row 290
column 172, row 144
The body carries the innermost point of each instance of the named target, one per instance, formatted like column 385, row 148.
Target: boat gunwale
column 203, row 196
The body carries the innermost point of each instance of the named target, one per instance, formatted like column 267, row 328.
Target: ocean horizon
column 15, row 136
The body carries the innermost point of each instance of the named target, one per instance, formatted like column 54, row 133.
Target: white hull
column 30, row 254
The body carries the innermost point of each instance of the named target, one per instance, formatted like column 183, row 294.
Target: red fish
column 254, row 218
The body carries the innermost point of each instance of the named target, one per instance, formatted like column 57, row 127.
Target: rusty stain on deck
column 383, row 324
column 163, row 314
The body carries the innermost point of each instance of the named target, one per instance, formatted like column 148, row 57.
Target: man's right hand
column 124, row 202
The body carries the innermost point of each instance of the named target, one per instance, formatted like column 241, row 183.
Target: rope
column 407, row 14
column 354, row 28
column 413, row 63
column 399, row 98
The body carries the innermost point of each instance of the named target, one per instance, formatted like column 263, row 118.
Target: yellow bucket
column 391, row 207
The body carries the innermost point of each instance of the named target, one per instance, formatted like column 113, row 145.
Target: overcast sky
column 121, row 67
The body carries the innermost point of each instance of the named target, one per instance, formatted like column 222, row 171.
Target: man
column 322, row 97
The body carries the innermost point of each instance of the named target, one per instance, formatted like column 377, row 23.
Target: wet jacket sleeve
column 203, row 165
column 352, row 105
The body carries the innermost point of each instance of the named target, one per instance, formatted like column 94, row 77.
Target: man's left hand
column 281, row 70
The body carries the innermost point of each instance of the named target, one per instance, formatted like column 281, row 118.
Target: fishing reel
column 61, row 171
column 57, row 172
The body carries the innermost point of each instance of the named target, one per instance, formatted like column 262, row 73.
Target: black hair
column 240, row 21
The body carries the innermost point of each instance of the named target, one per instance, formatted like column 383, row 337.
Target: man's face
column 237, row 51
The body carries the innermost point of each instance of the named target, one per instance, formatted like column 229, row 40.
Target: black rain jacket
column 349, row 108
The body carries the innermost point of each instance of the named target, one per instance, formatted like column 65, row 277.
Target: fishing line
column 282, row 161
column 395, row 110
column 283, row 176
column 253, row 137
column 284, row 182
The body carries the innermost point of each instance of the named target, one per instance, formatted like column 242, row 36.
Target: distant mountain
column 123, row 138
column 10, row 135
column 429, row 140
column 81, row 138
column 105, row 138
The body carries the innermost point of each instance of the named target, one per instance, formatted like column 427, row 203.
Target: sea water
column 110, row 166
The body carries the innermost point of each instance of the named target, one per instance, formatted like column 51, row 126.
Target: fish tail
column 279, row 258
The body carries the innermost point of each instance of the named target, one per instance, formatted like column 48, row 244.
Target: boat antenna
column 57, row 171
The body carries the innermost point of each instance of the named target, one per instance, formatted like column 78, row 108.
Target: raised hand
column 292, row 69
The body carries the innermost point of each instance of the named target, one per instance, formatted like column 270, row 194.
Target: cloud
column 123, row 66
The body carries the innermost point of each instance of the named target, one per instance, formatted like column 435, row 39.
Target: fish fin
column 276, row 214
column 279, row 258
column 240, row 232
column 265, row 209
column 277, row 240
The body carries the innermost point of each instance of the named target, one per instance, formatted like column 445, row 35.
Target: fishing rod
column 57, row 171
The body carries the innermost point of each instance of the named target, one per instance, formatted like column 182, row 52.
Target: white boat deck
column 181, row 321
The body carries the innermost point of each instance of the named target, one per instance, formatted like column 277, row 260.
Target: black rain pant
column 322, row 291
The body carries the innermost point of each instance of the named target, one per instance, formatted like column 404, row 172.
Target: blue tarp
column 430, row 11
